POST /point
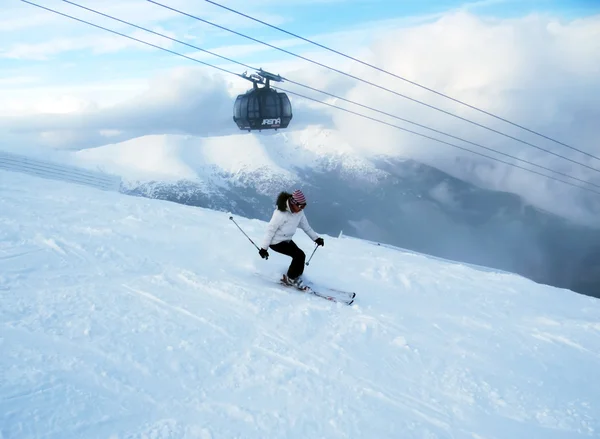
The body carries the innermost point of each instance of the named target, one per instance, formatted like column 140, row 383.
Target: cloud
column 18, row 80
column 96, row 44
column 183, row 101
column 23, row 98
column 539, row 71
column 536, row 70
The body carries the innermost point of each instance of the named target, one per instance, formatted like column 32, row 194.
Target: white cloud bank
column 538, row 71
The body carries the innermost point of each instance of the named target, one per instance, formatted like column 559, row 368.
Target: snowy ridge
column 58, row 171
column 174, row 157
column 254, row 157
column 417, row 254
column 138, row 318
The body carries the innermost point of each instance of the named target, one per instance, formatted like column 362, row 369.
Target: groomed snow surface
column 125, row 317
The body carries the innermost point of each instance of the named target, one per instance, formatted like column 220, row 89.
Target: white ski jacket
column 283, row 225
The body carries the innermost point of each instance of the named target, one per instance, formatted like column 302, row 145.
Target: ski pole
column 231, row 218
column 316, row 247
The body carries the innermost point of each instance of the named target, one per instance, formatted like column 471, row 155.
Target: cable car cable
column 342, row 98
column 158, row 34
column 363, row 80
column 127, row 36
column 316, row 100
column 396, row 76
column 450, row 135
column 447, row 143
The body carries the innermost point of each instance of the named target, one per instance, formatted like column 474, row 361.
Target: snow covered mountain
column 377, row 197
column 132, row 317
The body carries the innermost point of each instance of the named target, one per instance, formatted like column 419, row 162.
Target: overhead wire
column 368, row 82
column 315, row 100
column 127, row 36
column 396, row 76
column 339, row 97
column 450, row 144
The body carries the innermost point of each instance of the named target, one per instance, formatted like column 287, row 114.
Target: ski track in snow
column 126, row 317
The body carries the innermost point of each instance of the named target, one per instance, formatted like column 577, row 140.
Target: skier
column 287, row 217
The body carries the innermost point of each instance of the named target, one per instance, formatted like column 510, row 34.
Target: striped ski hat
column 298, row 197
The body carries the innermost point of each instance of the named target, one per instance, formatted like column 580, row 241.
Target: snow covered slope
column 125, row 317
column 58, row 171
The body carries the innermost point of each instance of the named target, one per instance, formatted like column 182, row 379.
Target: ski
column 307, row 289
column 346, row 301
column 345, row 297
column 350, row 294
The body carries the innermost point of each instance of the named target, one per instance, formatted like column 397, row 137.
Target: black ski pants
column 290, row 248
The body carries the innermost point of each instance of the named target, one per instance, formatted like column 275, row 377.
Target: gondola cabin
column 262, row 108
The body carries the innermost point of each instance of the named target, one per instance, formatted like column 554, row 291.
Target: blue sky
column 45, row 56
column 49, row 49
column 52, row 63
column 324, row 16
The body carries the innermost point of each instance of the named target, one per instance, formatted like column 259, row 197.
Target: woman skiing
column 287, row 217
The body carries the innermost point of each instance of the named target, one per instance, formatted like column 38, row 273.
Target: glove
column 319, row 241
column 263, row 253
